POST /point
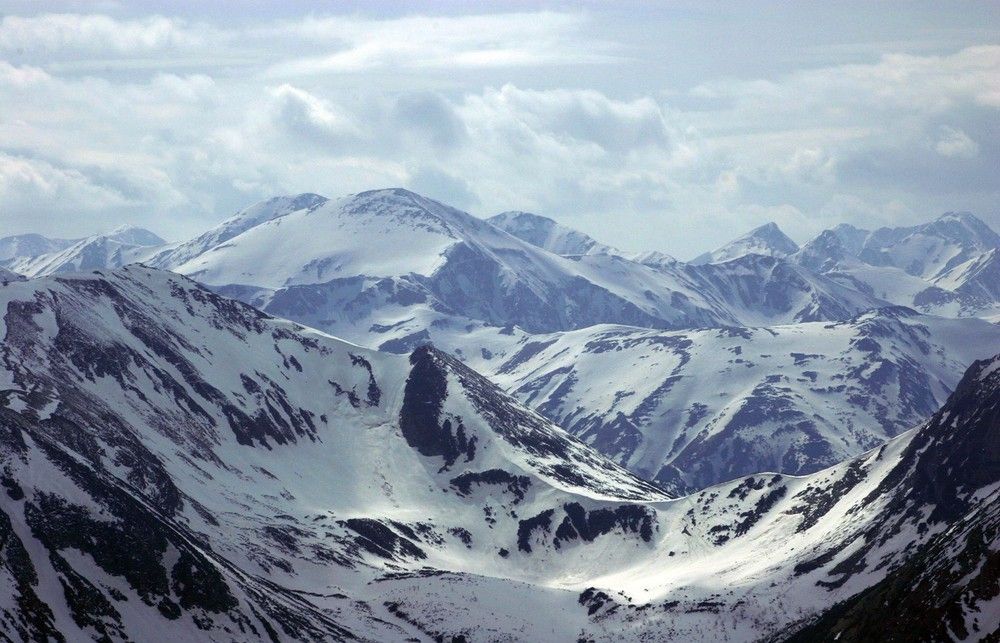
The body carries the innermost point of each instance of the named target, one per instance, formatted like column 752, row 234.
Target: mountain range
column 122, row 246
column 703, row 365
column 177, row 465
column 379, row 417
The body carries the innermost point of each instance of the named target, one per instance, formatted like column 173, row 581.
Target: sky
column 670, row 126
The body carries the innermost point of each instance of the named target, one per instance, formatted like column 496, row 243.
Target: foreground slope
column 178, row 465
column 949, row 588
column 168, row 455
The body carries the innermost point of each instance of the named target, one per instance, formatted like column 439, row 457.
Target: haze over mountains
column 379, row 417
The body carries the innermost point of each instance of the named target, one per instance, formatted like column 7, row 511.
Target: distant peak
column 847, row 227
column 770, row 230
column 386, row 192
column 967, row 227
column 548, row 234
column 964, row 217
column 767, row 239
column 653, row 258
column 134, row 235
column 520, row 214
column 522, row 218
column 303, row 200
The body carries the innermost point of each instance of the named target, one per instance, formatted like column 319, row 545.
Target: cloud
column 311, row 118
column 956, row 143
column 58, row 33
column 440, row 42
column 444, row 187
column 582, row 115
column 432, row 116
column 38, row 193
column 901, row 83
column 21, row 77
column 889, row 134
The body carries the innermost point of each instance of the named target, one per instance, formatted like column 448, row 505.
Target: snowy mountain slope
column 234, row 226
column 950, row 587
column 30, row 245
column 766, row 240
column 451, row 261
column 762, row 557
column 120, row 247
column 930, row 249
column 547, row 234
column 8, row 276
column 396, row 314
column 391, row 269
column 977, row 277
column 143, row 399
column 945, row 267
column 694, row 408
column 176, row 465
column 833, row 248
column 760, row 290
column 654, row 259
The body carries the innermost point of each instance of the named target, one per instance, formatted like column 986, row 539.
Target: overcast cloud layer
column 668, row 128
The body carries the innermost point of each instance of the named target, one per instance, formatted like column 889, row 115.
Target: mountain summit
column 768, row 239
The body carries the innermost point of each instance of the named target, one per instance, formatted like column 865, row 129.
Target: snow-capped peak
column 134, row 236
column 965, row 228
column 767, row 239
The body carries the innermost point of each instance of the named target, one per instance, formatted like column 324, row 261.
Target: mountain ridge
column 548, row 234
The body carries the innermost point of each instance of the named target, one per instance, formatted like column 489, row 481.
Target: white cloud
column 955, row 143
column 38, row 193
column 901, row 83
column 311, row 118
column 581, row 115
column 97, row 33
column 21, row 77
column 420, row 42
